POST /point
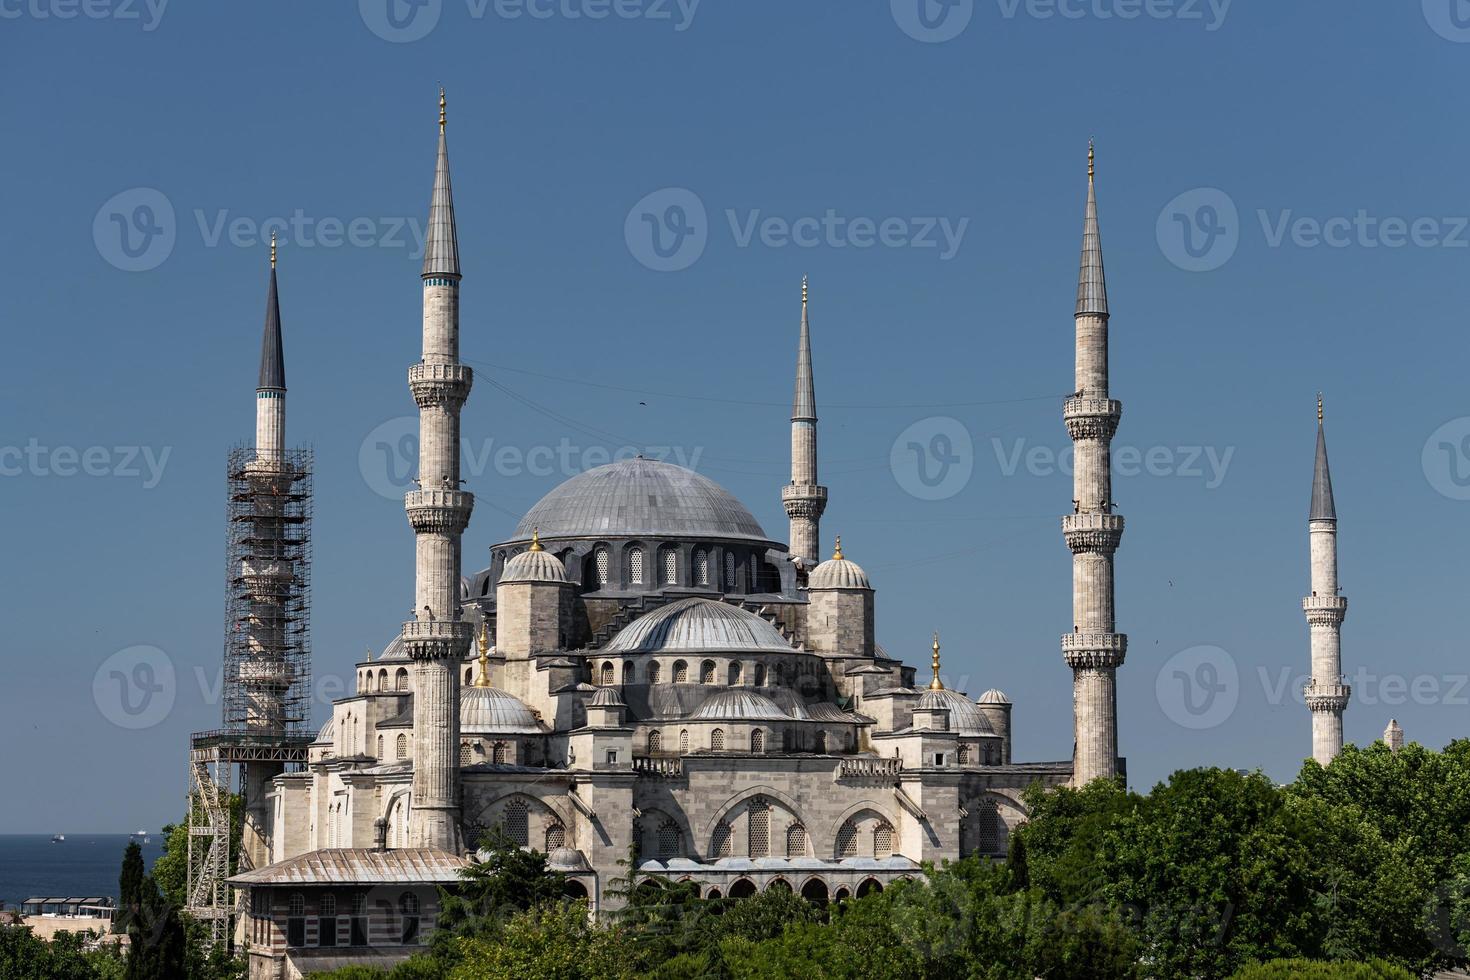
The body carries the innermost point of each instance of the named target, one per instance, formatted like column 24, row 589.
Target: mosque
column 643, row 668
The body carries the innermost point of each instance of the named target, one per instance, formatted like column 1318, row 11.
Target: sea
column 82, row 866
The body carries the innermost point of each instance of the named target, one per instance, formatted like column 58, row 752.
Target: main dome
column 640, row 497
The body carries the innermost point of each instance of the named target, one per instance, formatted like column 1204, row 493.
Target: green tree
column 156, row 941
column 1317, row 970
column 129, row 883
column 550, row 942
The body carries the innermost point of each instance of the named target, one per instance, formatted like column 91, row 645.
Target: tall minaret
column 803, row 498
column 437, row 640
column 270, row 391
column 1094, row 650
column 1326, row 694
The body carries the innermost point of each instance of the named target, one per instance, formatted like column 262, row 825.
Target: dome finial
column 837, row 552
column 483, row 680
column 441, row 108
column 536, row 539
column 273, row 250
column 1091, row 159
column 803, row 290
column 1319, row 408
column 936, row 684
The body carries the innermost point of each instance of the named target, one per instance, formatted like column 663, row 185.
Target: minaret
column 803, row 498
column 1094, row 650
column 1393, row 735
column 270, row 392
column 437, row 640
column 1326, row 694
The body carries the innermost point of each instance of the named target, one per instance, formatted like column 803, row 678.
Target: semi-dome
column 566, row 859
column 534, row 566
column 738, row 705
column 328, row 732
column 640, row 497
column 838, row 573
column 607, row 697
column 491, row 711
column 965, row 717
column 699, row 625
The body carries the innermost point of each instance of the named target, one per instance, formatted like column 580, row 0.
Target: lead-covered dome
column 491, row 711
column 534, row 566
column 640, row 498
column 739, row 705
column 699, row 625
column 965, row 717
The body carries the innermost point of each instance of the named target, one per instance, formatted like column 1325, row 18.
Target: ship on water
column 58, row 839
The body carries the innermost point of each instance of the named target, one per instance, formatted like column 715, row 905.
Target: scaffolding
column 267, row 668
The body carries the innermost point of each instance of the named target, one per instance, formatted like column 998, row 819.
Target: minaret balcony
column 273, row 673
column 441, row 511
column 437, row 639
column 804, row 500
column 1091, row 418
column 1093, row 533
column 434, row 385
column 1327, row 697
column 1094, row 649
column 1325, row 610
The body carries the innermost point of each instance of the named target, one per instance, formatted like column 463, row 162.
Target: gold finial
column 536, row 539
column 936, row 684
column 1319, row 408
column 803, row 290
column 483, row 680
column 1091, row 159
column 837, row 553
column 441, row 108
column 273, row 250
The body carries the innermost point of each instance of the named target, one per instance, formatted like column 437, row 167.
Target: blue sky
column 1311, row 153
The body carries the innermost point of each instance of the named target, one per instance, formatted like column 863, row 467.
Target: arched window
column 602, row 567
column 720, row 845
column 734, row 673
column 635, row 566
column 701, row 566
column 466, row 754
column 556, row 836
column 497, row 754
column 757, row 740
column 329, row 905
column 760, row 675
column 402, row 746
column 987, row 817
column 671, row 567
column 607, row 674
column 681, row 672
column 517, row 822
column 469, row 676
column 796, row 841
column 847, row 840
column 684, row 742
column 729, row 572
column 668, row 839
column 408, row 907
column 365, row 682
column 707, row 672
column 653, row 672
column 883, row 839
column 380, row 746
column 655, row 741
column 401, row 681
column 383, row 680
column 821, row 743
column 760, row 828
column 717, row 740
column 964, row 754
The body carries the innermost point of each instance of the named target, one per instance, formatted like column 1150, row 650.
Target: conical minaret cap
column 441, row 243
column 1092, row 284
column 272, row 360
column 804, row 405
column 1323, row 507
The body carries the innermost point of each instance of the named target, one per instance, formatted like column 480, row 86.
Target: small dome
column 699, row 625
column 838, row 573
column 490, row 711
column 964, row 716
column 566, row 859
column 328, row 734
column 534, row 566
column 994, row 696
column 394, row 650
column 607, row 697
column 738, row 705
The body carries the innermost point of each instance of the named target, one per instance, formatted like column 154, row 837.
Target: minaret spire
column 1326, row 694
column 270, row 391
column 438, row 639
column 1093, row 649
column 803, row 498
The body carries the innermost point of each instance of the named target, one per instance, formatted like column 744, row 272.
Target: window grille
column 847, row 840
column 760, row 828
column 635, row 566
column 796, row 841
column 517, row 822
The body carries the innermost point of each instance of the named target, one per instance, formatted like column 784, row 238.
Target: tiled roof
column 359, row 865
